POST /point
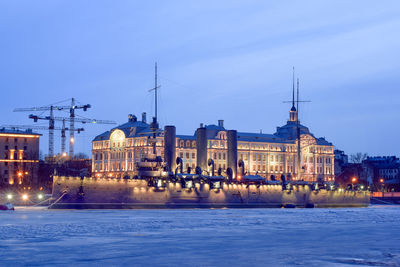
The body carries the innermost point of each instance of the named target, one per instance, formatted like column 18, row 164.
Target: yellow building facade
column 115, row 152
column 19, row 161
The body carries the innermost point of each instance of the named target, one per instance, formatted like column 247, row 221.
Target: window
column 193, row 155
column 25, row 148
column 6, row 148
column 16, row 140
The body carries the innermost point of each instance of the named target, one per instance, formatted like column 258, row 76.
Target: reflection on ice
column 364, row 236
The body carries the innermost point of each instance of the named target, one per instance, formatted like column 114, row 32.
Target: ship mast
column 154, row 123
column 298, row 134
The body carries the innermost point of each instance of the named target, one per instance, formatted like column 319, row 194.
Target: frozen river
column 228, row 237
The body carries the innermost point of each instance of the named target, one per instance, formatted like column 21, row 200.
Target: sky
column 228, row 60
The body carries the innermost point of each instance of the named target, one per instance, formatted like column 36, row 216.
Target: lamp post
column 382, row 181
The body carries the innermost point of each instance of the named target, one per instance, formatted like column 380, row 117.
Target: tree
column 358, row 157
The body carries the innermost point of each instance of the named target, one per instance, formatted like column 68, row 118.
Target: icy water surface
column 221, row 237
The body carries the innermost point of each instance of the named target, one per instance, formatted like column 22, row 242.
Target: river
column 201, row 237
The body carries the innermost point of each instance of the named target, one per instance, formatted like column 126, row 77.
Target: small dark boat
column 7, row 206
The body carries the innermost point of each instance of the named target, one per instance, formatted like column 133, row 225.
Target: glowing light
column 40, row 196
column 26, row 173
column 64, row 154
column 239, row 177
column 72, row 140
column 381, row 180
column 9, row 196
column 354, row 179
column 19, row 174
column 24, row 197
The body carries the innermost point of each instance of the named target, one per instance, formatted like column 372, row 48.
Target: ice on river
column 201, row 237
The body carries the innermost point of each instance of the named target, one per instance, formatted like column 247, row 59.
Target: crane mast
column 51, row 132
column 71, row 119
column 72, row 126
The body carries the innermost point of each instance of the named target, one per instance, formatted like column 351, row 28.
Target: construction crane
column 72, row 119
column 53, row 108
column 34, row 127
column 66, row 119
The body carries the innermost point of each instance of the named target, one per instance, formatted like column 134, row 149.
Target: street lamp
column 382, row 181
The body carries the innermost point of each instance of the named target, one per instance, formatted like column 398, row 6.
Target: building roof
column 16, row 131
column 186, row 137
column 132, row 128
column 285, row 134
column 260, row 137
column 289, row 130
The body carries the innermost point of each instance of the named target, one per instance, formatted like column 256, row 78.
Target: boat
column 162, row 183
column 7, row 206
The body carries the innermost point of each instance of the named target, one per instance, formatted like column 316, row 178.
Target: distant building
column 115, row 152
column 19, row 157
column 341, row 160
column 380, row 171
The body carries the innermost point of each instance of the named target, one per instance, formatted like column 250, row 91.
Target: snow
column 201, row 237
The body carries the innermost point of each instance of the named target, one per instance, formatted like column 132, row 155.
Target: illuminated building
column 115, row 152
column 19, row 157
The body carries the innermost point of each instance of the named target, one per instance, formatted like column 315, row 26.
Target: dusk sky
column 228, row 60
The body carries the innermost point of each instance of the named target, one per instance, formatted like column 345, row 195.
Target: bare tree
column 358, row 157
